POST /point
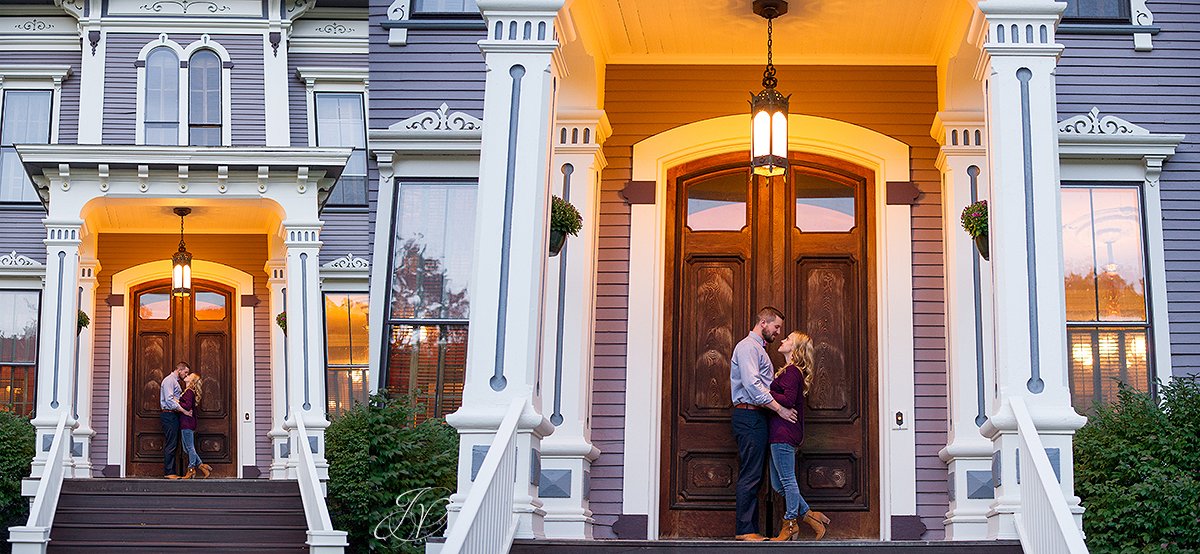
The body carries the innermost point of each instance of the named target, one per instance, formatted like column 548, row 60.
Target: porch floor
column 680, row 546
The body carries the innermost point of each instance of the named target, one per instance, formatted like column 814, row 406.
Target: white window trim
column 332, row 79
column 37, row 78
column 1112, row 150
column 185, row 54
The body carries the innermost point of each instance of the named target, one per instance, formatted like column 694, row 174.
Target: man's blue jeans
column 750, row 431
column 170, row 427
column 783, row 479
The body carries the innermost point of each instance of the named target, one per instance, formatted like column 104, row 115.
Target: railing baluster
column 1045, row 523
column 485, row 523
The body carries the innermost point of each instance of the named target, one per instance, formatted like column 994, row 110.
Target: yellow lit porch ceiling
column 814, row 32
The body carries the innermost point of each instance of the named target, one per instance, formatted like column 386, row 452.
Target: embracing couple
column 768, row 409
column 178, row 403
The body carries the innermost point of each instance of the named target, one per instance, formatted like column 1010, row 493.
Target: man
column 750, row 376
column 168, row 399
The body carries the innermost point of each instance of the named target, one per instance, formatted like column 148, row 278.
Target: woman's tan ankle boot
column 205, row 469
column 788, row 531
column 817, row 521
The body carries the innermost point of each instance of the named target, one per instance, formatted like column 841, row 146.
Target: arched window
column 162, row 97
column 204, row 99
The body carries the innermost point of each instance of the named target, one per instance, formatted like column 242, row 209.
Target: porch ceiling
column 814, row 32
column 155, row 215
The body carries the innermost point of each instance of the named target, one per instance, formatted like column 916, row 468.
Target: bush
column 389, row 477
column 1137, row 470
column 16, row 451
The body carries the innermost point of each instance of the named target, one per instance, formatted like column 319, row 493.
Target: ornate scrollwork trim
column 17, row 260
column 441, row 120
column 349, row 261
column 1092, row 124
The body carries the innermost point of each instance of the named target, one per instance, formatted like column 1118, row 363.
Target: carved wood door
column 197, row 329
column 738, row 243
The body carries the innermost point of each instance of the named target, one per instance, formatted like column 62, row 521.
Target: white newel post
column 89, row 268
column 56, row 337
column 510, row 256
column 962, row 161
column 567, row 455
column 276, row 285
column 1026, row 245
column 305, row 340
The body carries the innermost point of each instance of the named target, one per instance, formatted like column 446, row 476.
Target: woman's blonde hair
column 802, row 356
column 192, row 381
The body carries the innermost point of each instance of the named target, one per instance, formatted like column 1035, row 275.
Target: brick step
column 548, row 546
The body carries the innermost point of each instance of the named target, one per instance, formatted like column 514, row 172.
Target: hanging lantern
column 181, row 262
column 769, row 108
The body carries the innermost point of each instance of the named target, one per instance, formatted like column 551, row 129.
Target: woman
column 791, row 384
column 187, row 425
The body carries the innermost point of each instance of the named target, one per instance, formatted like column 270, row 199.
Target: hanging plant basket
column 281, row 321
column 975, row 223
column 82, row 322
column 564, row 220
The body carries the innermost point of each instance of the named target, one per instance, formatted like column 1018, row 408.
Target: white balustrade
column 1044, row 522
column 486, row 523
column 34, row 536
column 322, row 537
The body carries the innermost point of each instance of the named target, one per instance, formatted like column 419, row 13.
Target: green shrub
column 376, row 456
column 16, row 451
column 1137, row 470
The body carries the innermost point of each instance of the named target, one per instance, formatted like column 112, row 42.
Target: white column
column 56, row 336
column 506, row 291
column 89, row 268
column 275, row 82
column 963, row 164
column 91, row 82
column 567, row 455
column 305, row 339
column 1026, row 245
column 276, row 270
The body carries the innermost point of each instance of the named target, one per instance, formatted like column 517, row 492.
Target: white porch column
column 89, row 268
column 506, row 291
column 963, row 163
column 567, row 455
column 305, row 344
column 276, row 285
column 1026, row 246
column 91, row 79
column 56, row 336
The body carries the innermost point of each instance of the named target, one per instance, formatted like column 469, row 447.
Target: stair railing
column 322, row 537
column 486, row 523
column 1044, row 523
column 34, row 536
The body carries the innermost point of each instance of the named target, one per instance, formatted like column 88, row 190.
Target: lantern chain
column 769, row 80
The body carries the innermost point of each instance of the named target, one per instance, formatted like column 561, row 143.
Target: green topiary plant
column 1137, row 471
column 388, row 478
column 975, row 223
column 564, row 220
column 281, row 321
column 83, row 321
column 16, row 451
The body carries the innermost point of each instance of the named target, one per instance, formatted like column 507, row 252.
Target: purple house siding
column 24, row 231
column 1160, row 91
column 436, row 66
column 247, row 110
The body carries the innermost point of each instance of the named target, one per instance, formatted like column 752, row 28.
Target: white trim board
column 243, row 347
column 889, row 159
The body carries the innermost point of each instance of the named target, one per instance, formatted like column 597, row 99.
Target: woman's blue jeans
column 783, row 478
column 189, row 446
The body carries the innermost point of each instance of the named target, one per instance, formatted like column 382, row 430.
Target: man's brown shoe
column 752, row 537
column 172, row 476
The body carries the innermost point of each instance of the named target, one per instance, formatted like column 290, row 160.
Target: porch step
column 159, row 515
column 547, row 546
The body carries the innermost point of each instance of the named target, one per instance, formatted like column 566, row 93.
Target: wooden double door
column 798, row 242
column 167, row 329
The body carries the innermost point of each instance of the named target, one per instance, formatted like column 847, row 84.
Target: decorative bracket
column 639, row 192
column 901, row 193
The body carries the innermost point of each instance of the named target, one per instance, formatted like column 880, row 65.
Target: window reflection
column 210, row 306
column 346, row 357
column 18, row 350
column 718, row 203
column 435, row 229
column 428, row 362
column 822, row 205
column 154, row 305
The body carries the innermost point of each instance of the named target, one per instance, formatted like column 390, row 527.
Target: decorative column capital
column 89, row 268
column 960, row 133
column 1022, row 27
column 304, row 235
column 63, row 233
column 276, row 271
column 519, row 25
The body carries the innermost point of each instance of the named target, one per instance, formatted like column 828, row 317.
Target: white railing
column 486, row 523
column 322, row 537
column 33, row 537
column 1044, row 523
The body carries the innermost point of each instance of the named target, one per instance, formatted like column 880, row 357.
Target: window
column 1108, row 327
column 18, row 350
column 340, row 122
column 445, row 6
column 204, row 100
column 346, row 350
column 430, row 276
column 1099, row 11
column 25, row 120
column 162, row 97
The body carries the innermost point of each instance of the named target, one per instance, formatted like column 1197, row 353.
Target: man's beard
column 767, row 338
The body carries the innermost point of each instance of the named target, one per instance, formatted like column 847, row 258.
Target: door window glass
column 154, row 305
column 210, row 306
column 823, row 205
column 717, row 203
